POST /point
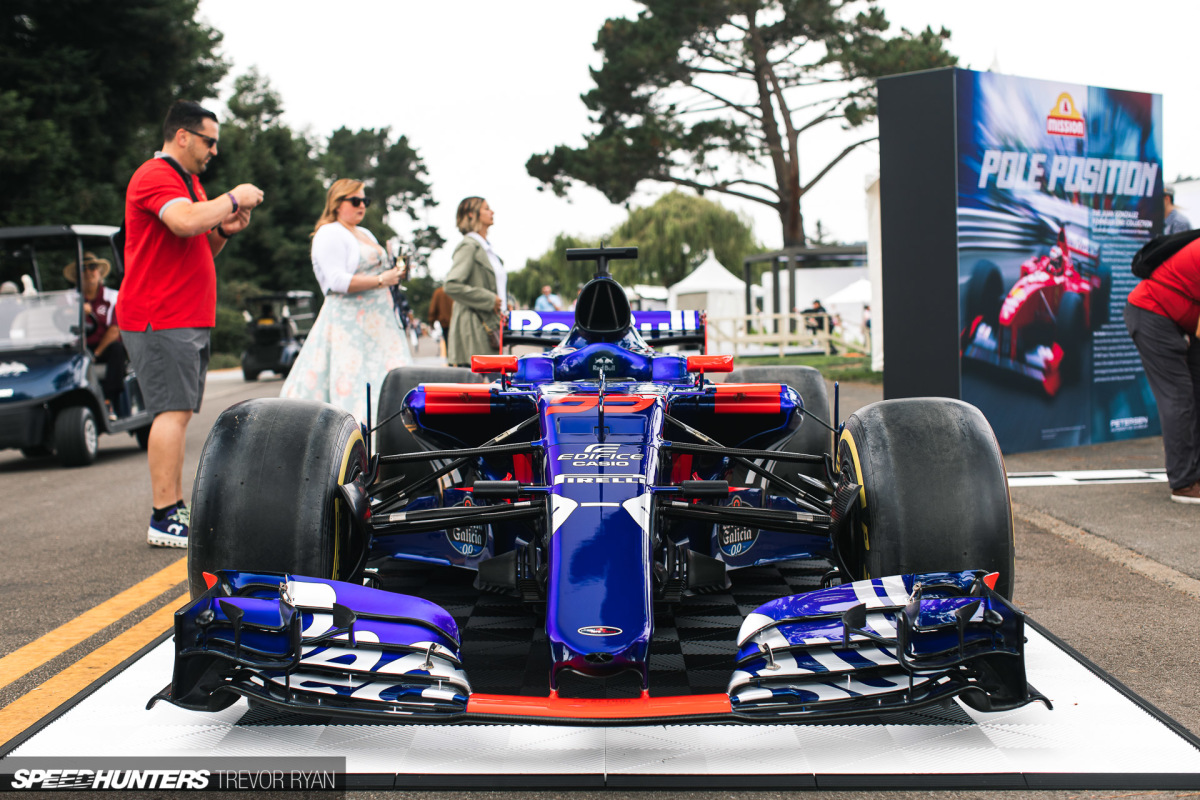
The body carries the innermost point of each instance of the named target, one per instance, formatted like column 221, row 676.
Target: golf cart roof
column 42, row 231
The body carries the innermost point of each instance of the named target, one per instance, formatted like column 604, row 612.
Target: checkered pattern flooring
column 504, row 642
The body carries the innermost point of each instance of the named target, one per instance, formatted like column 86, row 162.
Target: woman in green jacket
column 476, row 284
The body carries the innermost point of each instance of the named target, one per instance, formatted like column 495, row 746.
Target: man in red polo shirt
column 1162, row 315
column 168, row 300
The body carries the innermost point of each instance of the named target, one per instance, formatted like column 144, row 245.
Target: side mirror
column 501, row 364
column 703, row 364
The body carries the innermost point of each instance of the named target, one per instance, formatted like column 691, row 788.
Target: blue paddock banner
column 1058, row 186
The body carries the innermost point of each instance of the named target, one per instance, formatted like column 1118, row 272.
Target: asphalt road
column 1114, row 570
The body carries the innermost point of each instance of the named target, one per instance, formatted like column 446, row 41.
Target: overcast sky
column 480, row 86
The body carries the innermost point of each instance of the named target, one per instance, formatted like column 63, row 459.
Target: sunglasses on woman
column 359, row 201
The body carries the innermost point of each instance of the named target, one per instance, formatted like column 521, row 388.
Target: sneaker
column 1188, row 494
column 171, row 530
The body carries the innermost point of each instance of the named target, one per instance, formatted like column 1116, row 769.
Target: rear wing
column 659, row 328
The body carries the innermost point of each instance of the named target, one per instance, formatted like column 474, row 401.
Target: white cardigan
column 335, row 256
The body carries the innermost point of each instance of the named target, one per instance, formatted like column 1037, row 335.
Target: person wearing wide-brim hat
column 100, row 323
column 100, row 266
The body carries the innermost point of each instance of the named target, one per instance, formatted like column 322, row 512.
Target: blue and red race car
column 599, row 481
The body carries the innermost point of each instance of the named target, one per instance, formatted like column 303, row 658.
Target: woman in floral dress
column 357, row 338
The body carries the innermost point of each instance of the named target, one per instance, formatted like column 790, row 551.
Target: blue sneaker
column 171, row 530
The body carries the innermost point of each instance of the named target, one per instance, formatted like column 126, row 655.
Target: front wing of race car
column 340, row 649
column 1041, row 362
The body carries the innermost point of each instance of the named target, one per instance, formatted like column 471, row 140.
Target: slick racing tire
column 76, row 436
column 934, row 495
column 985, row 292
column 393, row 438
column 812, row 437
column 266, row 495
column 1072, row 334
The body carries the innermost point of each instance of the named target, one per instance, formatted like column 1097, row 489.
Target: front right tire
column 266, row 496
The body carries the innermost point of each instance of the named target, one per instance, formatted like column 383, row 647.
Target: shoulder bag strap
column 184, row 174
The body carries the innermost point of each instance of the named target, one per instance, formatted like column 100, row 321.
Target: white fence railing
column 742, row 334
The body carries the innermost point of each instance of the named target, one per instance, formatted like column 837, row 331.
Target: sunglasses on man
column 359, row 201
column 208, row 140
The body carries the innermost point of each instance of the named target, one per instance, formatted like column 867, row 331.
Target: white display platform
column 1097, row 735
column 1086, row 477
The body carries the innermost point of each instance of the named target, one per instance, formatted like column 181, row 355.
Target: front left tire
column 934, row 495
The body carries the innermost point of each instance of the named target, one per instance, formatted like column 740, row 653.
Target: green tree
column 552, row 269
column 274, row 253
column 693, row 93
column 257, row 147
column 84, row 86
column 394, row 174
column 674, row 234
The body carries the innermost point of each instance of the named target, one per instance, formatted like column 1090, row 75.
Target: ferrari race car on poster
column 1040, row 327
column 600, row 483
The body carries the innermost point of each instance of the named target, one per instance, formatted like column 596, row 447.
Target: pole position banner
column 1058, row 185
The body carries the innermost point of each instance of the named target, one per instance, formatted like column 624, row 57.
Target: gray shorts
column 171, row 366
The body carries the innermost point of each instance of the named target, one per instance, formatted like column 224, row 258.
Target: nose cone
column 605, row 658
column 600, row 615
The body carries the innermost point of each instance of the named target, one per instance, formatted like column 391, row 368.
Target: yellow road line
column 32, row 706
column 58, row 641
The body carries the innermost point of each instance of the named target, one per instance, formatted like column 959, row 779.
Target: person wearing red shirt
column 1162, row 315
column 168, row 300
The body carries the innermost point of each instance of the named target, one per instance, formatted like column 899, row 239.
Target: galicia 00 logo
column 468, row 540
column 735, row 540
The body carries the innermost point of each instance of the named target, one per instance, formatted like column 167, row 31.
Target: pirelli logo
column 599, row 479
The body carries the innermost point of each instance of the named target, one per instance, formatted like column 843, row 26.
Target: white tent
column 857, row 292
column 847, row 303
column 712, row 288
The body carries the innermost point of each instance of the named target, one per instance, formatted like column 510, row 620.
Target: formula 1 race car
column 1040, row 327
column 600, row 481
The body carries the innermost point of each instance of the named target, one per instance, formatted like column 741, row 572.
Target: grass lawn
column 224, row 361
column 834, row 368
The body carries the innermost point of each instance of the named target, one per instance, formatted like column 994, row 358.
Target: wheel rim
column 91, row 439
column 342, row 525
column 850, row 469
